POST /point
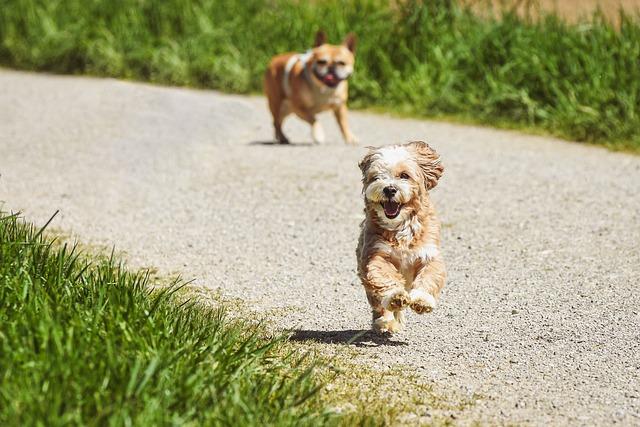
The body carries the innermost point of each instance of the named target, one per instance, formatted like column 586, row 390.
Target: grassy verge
column 427, row 58
column 84, row 341
column 88, row 343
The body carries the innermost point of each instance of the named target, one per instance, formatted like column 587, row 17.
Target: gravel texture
column 539, row 322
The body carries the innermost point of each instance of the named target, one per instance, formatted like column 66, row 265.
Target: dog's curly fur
column 399, row 260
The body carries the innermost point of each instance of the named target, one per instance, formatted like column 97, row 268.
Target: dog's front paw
column 351, row 139
column 396, row 301
column 421, row 301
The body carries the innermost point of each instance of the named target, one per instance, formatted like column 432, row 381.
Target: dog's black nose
column 390, row 191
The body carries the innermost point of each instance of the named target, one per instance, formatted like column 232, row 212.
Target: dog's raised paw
column 420, row 307
column 421, row 301
column 396, row 301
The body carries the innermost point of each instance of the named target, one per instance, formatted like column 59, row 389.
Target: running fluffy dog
column 399, row 260
column 309, row 83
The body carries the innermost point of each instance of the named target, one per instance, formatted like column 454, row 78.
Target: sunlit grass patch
column 88, row 342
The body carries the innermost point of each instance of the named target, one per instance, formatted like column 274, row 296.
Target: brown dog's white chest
column 318, row 98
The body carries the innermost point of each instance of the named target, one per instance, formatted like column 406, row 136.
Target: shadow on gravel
column 359, row 338
column 277, row 144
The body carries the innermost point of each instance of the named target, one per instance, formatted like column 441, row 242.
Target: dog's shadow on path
column 277, row 144
column 356, row 337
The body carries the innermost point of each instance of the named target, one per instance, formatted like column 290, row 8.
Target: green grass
column 426, row 58
column 88, row 343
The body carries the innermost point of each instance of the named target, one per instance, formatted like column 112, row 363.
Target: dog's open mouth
column 330, row 80
column 391, row 208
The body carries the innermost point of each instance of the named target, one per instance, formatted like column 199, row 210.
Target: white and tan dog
column 399, row 260
column 309, row 83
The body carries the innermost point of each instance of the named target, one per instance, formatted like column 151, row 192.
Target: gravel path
column 539, row 319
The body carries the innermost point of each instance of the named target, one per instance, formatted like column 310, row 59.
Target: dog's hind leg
column 400, row 318
column 384, row 318
column 387, row 321
column 317, row 133
column 283, row 111
column 278, row 104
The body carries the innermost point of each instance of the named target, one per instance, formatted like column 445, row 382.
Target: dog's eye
column 404, row 175
column 340, row 63
column 321, row 62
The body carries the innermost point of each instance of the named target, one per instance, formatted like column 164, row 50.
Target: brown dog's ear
column 366, row 161
column 321, row 38
column 429, row 162
column 350, row 42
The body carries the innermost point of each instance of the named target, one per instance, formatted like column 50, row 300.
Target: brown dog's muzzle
column 330, row 79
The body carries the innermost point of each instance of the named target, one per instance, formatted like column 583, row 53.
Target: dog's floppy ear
column 321, row 38
column 350, row 42
column 366, row 161
column 429, row 162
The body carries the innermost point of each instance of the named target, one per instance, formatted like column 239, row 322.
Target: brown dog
column 399, row 259
column 309, row 83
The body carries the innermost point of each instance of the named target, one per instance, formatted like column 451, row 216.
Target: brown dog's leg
column 279, row 111
column 283, row 112
column 341, row 116
column 277, row 104
column 427, row 285
column 385, row 291
column 317, row 133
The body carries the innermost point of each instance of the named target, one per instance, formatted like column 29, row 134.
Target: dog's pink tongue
column 390, row 208
column 330, row 78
